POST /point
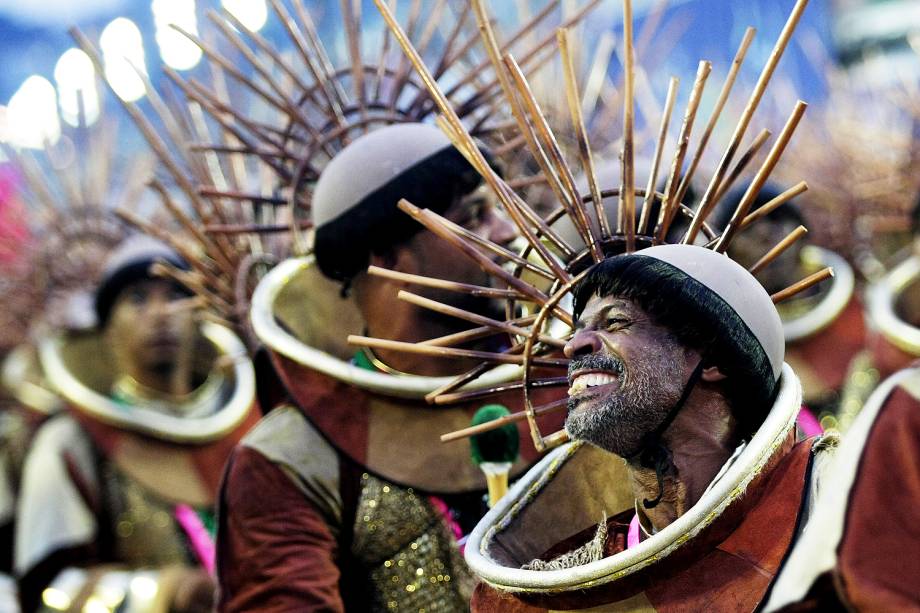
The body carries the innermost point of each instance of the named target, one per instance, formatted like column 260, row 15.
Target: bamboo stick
column 716, row 112
column 455, row 286
column 581, row 133
column 761, row 177
column 778, row 249
column 627, row 208
column 551, row 407
column 498, row 389
column 670, row 206
column 656, row 158
column 475, row 318
column 451, row 352
column 802, row 285
column 746, row 115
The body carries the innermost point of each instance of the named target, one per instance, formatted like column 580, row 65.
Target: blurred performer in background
column 824, row 328
column 115, row 511
column 860, row 552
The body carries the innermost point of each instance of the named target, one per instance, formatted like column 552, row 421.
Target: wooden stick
column 464, row 141
column 768, row 208
column 778, row 249
column 754, row 100
column 775, row 203
column 627, row 209
column 761, row 177
column 498, row 389
column 451, row 352
column 434, row 222
column 551, row 407
column 213, row 192
column 255, row 228
column 581, row 133
column 669, row 205
column 454, row 286
column 498, row 250
column 475, row 334
column 562, row 171
column 351, row 13
column 716, row 112
column 322, row 78
column 742, row 164
column 656, row 159
column 802, row 285
column 511, row 203
column 475, row 318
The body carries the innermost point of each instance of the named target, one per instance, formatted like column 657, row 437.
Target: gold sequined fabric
column 146, row 534
column 410, row 554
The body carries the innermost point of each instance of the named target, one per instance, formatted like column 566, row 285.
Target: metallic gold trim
column 276, row 338
column 880, row 300
column 761, row 449
column 831, row 305
column 20, row 380
column 195, row 430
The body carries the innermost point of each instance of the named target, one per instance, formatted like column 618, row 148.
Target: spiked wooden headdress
column 246, row 149
column 549, row 269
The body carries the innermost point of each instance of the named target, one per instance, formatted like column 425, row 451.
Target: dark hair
column 131, row 272
column 788, row 212
column 699, row 319
column 376, row 224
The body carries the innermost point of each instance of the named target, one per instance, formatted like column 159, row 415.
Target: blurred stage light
column 175, row 49
column 76, row 77
column 251, row 13
column 123, row 54
column 32, row 115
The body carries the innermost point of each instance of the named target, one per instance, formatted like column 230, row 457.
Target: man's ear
column 399, row 258
column 713, row 374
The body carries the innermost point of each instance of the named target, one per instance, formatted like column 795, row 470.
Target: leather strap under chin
column 653, row 453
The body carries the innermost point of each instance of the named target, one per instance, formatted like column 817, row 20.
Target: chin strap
column 653, row 453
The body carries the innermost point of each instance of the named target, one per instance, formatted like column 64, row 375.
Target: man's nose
column 585, row 342
column 501, row 230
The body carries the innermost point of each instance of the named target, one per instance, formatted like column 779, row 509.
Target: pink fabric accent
column 198, row 536
column 441, row 507
column 808, row 423
column 632, row 536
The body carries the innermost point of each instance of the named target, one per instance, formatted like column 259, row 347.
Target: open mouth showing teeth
column 588, row 380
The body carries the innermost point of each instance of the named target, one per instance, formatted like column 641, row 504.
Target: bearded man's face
column 625, row 375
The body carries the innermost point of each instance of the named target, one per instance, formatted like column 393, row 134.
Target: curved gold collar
column 881, row 297
column 830, row 305
column 22, row 376
column 276, row 337
column 98, row 405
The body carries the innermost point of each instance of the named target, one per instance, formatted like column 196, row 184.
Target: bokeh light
column 123, row 54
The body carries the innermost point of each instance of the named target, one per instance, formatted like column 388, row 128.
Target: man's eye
column 617, row 322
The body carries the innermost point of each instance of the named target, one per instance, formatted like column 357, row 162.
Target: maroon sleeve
column 275, row 551
column 879, row 556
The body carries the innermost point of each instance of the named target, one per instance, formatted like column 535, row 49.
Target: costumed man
column 824, row 328
column 117, row 493
column 342, row 499
column 677, row 368
column 893, row 316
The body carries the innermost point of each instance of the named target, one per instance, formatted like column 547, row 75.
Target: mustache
column 597, row 361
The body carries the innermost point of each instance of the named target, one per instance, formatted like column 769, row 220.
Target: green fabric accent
column 362, row 361
column 208, row 518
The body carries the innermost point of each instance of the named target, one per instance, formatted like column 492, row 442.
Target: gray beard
column 648, row 389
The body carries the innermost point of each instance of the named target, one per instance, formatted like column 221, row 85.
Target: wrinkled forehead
column 602, row 306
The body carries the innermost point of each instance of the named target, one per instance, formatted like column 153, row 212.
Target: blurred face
column 626, row 374
column 437, row 258
column 751, row 244
column 152, row 330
